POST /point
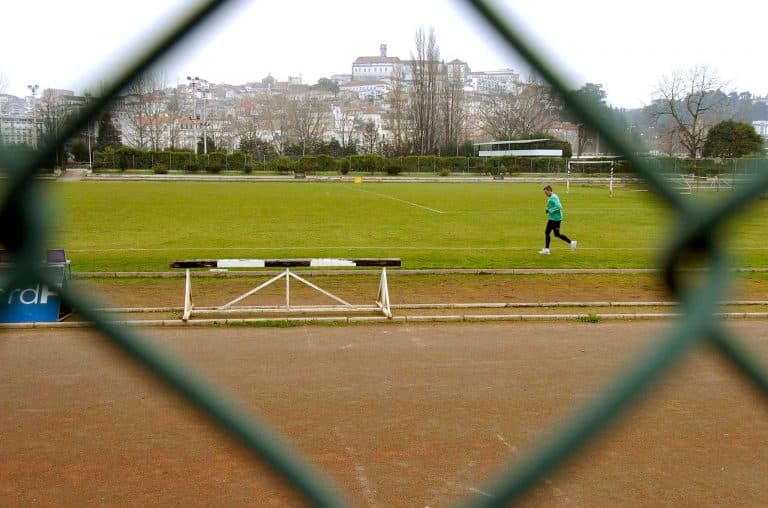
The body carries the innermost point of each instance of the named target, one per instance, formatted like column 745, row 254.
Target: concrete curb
column 420, row 306
column 586, row 318
column 392, row 272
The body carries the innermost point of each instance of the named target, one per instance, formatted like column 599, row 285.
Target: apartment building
column 18, row 130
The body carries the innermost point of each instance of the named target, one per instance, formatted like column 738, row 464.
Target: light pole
column 90, row 150
column 204, row 94
column 34, row 88
column 194, row 83
column 200, row 86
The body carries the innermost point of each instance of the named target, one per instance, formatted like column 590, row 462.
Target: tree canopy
column 326, row 84
column 732, row 139
column 108, row 133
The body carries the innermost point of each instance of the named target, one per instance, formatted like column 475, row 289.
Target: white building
column 458, row 70
column 375, row 68
column 366, row 90
column 504, row 80
column 761, row 126
column 12, row 105
column 340, row 79
column 17, row 130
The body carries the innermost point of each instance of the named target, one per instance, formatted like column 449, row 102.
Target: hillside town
column 385, row 105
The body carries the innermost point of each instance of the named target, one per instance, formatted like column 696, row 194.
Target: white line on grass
column 402, row 201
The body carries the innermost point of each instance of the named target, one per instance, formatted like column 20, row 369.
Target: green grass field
column 126, row 226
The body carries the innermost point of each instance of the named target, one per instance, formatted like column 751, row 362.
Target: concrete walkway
column 74, row 175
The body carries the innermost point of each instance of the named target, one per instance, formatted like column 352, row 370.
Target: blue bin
column 36, row 303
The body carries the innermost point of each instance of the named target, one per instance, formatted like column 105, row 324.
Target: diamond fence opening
column 25, row 226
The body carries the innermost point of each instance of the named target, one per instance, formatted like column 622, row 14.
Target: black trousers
column 554, row 225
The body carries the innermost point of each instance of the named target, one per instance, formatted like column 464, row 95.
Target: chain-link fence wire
column 697, row 237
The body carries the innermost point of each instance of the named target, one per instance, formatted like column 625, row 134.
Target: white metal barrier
column 382, row 301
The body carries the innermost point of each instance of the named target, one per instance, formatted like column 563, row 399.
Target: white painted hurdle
column 382, row 301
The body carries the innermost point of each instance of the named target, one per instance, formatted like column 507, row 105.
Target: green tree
column 257, row 147
column 78, row 147
column 108, row 133
column 207, row 147
column 326, row 84
column 732, row 139
column 592, row 96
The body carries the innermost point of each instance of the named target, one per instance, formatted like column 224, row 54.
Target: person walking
column 555, row 217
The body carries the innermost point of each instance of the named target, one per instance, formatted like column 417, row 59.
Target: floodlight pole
column 90, row 150
column 194, row 83
column 205, row 122
column 34, row 88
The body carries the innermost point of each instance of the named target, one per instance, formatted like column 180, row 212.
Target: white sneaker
column 544, row 252
column 573, row 244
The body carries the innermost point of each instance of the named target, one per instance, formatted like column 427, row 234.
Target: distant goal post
column 604, row 161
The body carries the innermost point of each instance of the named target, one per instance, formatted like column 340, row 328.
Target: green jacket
column 554, row 208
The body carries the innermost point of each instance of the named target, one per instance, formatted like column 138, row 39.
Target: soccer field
column 125, row 226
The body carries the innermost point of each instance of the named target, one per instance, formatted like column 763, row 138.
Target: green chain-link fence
column 698, row 236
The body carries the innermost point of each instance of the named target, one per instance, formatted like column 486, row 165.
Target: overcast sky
column 625, row 46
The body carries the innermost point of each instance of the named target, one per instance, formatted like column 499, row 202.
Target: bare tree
column 691, row 100
column 369, row 132
column 307, row 117
column 54, row 112
column 668, row 141
column 274, row 115
column 397, row 119
column 344, row 121
column 144, row 111
column 174, row 114
column 246, row 123
column 452, row 108
column 509, row 114
column 424, row 92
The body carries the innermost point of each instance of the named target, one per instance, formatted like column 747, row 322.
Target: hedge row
column 132, row 158
column 709, row 167
column 162, row 162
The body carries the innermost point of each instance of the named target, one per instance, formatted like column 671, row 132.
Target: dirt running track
column 396, row 415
